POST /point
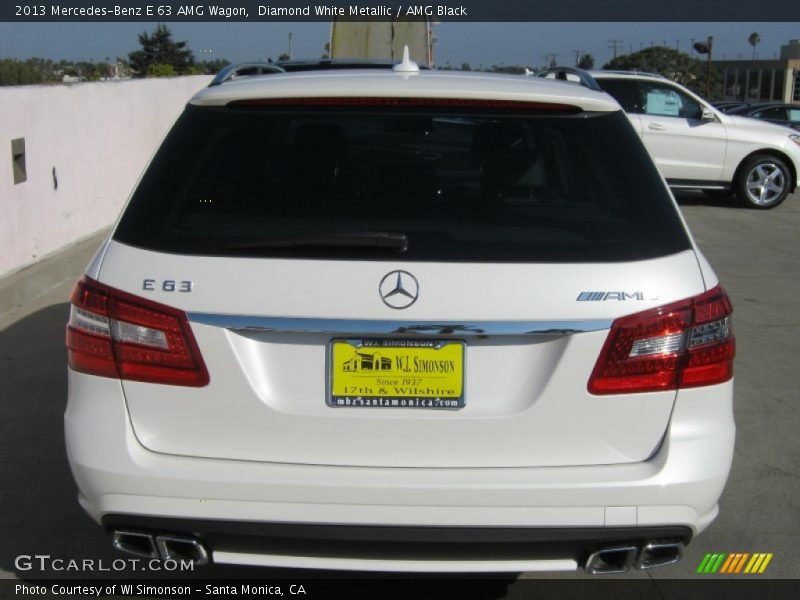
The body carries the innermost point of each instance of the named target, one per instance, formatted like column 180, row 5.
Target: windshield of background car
column 457, row 184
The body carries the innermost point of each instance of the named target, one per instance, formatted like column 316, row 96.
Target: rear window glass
column 440, row 184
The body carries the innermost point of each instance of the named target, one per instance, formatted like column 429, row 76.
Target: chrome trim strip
column 688, row 186
column 380, row 327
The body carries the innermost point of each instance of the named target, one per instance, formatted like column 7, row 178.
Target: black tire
column 763, row 181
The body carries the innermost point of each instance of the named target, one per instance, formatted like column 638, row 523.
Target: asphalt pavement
column 756, row 255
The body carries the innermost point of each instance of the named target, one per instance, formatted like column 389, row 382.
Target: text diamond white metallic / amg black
column 438, row 327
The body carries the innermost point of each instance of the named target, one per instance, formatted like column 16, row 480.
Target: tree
column 160, row 70
column 465, row 66
column 586, row 62
column 674, row 65
column 754, row 40
column 159, row 48
column 211, row 67
column 283, row 56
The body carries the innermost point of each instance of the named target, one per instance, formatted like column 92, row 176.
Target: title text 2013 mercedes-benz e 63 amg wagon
column 399, row 319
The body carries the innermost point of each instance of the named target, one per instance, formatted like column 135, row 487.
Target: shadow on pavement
column 39, row 511
column 697, row 198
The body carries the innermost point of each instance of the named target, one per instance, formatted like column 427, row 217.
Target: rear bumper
column 385, row 547
column 120, row 482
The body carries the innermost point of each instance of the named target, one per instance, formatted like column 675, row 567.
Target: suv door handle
column 656, row 127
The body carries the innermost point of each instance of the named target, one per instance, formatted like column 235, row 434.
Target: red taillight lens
column 115, row 334
column 684, row 344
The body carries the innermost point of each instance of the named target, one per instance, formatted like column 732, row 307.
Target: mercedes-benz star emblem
column 399, row 289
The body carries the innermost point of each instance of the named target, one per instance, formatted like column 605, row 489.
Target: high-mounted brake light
column 685, row 344
column 115, row 334
column 367, row 101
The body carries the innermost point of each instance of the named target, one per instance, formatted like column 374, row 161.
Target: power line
column 615, row 45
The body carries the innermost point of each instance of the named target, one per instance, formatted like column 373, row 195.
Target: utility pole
column 706, row 49
column 708, row 66
column 677, row 45
column 577, row 56
column 615, row 45
column 290, row 47
column 691, row 46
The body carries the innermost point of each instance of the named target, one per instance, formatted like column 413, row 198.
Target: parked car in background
column 727, row 107
column 694, row 145
column 774, row 112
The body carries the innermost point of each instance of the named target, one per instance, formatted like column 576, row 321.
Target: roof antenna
column 407, row 65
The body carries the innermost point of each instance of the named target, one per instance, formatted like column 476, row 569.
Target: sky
column 498, row 43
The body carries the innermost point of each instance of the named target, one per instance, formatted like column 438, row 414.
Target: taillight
column 114, row 334
column 685, row 344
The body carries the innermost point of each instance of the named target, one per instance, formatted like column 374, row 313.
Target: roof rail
column 633, row 72
column 561, row 73
column 245, row 70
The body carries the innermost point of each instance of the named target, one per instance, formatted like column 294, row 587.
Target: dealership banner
column 442, row 10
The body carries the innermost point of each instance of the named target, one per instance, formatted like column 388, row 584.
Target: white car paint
column 708, row 151
column 532, row 448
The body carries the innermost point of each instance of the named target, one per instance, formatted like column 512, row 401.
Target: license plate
column 396, row 373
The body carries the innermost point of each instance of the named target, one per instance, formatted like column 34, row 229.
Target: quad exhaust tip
column 172, row 547
column 164, row 547
column 615, row 559
column 659, row 554
column 618, row 559
column 136, row 543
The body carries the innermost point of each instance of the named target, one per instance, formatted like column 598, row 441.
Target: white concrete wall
column 98, row 136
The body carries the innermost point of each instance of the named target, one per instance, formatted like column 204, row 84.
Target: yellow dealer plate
column 396, row 373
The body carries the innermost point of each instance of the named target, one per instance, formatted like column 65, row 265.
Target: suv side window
column 624, row 91
column 663, row 100
column 771, row 113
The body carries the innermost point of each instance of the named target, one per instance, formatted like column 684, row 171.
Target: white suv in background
column 696, row 146
column 392, row 319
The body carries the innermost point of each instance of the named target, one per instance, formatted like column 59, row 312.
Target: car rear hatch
column 401, row 286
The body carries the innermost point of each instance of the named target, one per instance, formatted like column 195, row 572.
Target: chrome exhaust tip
column 135, row 542
column 659, row 554
column 172, row 547
column 614, row 559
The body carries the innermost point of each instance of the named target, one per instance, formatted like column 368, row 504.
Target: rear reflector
column 116, row 334
column 685, row 344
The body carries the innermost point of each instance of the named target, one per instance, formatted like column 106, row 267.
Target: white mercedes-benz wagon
column 400, row 319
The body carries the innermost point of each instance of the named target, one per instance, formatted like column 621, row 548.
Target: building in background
column 763, row 80
column 383, row 40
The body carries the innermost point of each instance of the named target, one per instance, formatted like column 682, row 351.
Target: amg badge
column 600, row 296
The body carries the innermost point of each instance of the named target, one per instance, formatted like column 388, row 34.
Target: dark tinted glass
column 770, row 113
column 624, row 92
column 459, row 185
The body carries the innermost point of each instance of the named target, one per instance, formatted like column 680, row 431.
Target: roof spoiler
column 562, row 74
column 250, row 69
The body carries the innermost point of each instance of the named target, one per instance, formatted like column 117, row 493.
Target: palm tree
column 754, row 40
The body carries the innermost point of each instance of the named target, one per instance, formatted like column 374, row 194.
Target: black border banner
column 409, row 586
column 435, row 10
